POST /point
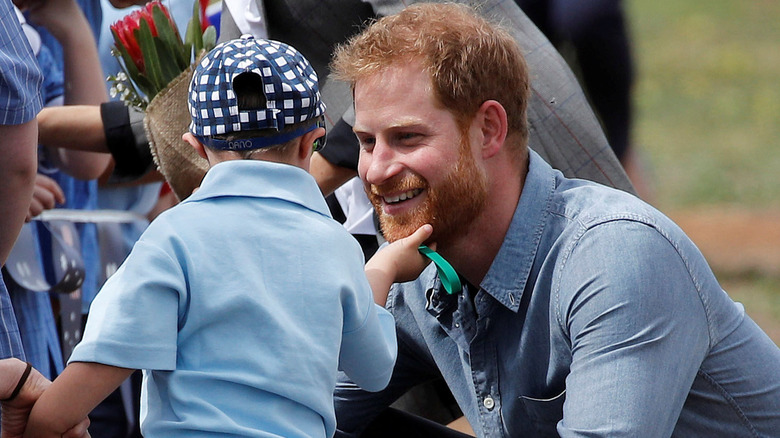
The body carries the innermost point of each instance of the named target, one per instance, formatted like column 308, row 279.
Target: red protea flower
column 124, row 30
column 151, row 51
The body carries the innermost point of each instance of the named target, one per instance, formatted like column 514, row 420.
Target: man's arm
column 20, row 387
column 637, row 328
column 77, row 127
column 72, row 397
column 329, row 176
column 18, row 168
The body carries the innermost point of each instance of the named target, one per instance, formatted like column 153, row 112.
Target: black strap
column 19, row 385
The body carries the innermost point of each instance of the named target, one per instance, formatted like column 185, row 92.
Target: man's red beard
column 450, row 207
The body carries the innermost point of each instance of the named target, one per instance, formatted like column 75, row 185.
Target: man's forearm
column 11, row 369
column 18, row 168
column 77, row 127
column 329, row 176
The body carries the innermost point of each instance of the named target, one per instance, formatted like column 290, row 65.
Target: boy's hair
column 469, row 59
column 248, row 95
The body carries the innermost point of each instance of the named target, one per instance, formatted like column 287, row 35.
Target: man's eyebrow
column 400, row 124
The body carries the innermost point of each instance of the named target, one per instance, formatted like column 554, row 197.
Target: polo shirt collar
column 261, row 179
column 508, row 274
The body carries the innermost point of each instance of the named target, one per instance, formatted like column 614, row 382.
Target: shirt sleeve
column 20, row 76
column 355, row 407
column 638, row 332
column 133, row 321
column 126, row 140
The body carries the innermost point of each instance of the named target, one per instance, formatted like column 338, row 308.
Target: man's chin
column 394, row 229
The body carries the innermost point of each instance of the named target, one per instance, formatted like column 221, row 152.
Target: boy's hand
column 402, row 256
column 397, row 262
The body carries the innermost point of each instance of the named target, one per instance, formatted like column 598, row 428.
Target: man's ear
column 199, row 148
column 492, row 122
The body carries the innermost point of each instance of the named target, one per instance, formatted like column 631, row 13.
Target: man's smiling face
column 415, row 160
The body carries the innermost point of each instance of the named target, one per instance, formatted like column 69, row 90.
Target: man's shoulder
column 590, row 204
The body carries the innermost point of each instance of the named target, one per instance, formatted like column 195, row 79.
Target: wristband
column 19, row 385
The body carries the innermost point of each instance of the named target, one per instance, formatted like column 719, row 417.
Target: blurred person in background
column 594, row 36
column 66, row 178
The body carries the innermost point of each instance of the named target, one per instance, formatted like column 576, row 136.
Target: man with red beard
column 583, row 311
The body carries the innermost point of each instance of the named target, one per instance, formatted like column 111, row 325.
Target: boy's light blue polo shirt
column 240, row 304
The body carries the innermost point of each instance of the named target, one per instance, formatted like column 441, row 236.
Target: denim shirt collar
column 262, row 179
column 506, row 279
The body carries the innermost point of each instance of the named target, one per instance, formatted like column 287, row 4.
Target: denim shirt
column 597, row 317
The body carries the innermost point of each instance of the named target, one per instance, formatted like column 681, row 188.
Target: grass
column 707, row 105
column 759, row 294
column 708, row 99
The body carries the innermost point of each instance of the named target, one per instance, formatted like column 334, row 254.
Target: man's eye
column 406, row 137
column 367, row 143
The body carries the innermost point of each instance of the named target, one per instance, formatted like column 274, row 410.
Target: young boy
column 240, row 303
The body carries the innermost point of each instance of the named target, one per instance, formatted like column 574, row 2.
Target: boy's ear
column 306, row 145
column 199, row 148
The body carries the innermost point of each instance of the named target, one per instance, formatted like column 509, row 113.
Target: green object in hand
column 449, row 278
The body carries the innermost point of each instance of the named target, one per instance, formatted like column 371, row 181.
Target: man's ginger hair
column 469, row 59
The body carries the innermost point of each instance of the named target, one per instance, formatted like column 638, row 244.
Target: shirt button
column 457, row 325
column 488, row 402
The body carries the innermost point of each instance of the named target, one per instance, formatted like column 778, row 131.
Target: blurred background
column 707, row 134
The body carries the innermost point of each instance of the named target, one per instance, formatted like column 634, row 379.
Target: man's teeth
column 403, row 196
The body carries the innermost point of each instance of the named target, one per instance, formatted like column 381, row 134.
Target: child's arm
column 397, row 262
column 72, row 397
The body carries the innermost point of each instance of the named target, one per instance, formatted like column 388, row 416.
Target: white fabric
column 248, row 16
column 356, row 207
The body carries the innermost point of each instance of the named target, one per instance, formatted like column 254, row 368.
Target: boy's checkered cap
column 291, row 89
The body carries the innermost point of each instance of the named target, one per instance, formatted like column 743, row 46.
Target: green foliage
column 193, row 37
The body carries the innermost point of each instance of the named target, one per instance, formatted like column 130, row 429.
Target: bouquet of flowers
column 151, row 52
column 156, row 70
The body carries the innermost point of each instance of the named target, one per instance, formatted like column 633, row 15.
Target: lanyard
column 449, row 278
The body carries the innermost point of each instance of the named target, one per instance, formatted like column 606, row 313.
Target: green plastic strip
column 449, row 278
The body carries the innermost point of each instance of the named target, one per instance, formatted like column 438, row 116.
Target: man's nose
column 380, row 164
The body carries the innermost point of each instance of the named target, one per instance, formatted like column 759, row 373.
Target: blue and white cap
column 290, row 88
